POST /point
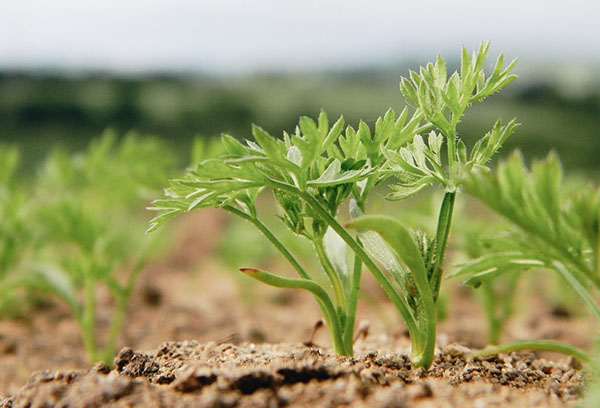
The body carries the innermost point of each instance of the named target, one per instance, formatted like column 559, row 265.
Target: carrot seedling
column 310, row 173
column 16, row 236
column 554, row 229
column 80, row 207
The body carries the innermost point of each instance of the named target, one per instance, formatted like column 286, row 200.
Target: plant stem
column 451, row 139
column 316, row 290
column 360, row 252
column 540, row 345
column 331, row 319
column 352, row 303
column 331, row 274
column 108, row 351
column 89, row 317
column 488, row 299
column 122, row 296
column 272, row 238
column 441, row 240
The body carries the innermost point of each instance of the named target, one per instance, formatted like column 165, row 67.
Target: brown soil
column 237, row 357
column 192, row 374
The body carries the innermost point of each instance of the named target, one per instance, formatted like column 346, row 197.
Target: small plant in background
column 83, row 253
column 80, row 207
column 497, row 296
column 16, row 239
column 112, row 172
column 554, row 229
column 12, row 221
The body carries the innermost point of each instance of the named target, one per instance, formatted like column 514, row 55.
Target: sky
column 251, row 35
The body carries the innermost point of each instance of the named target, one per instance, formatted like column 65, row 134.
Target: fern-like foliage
column 71, row 229
column 442, row 100
column 555, row 228
column 324, row 161
column 111, row 172
column 310, row 172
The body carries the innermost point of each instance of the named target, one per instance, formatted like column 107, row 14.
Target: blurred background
column 71, row 69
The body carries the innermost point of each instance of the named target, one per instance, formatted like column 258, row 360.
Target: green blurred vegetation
column 40, row 110
column 75, row 224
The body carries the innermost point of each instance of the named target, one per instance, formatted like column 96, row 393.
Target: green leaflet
column 488, row 145
column 333, row 175
column 337, row 252
column 400, row 240
column 490, row 266
column 442, row 100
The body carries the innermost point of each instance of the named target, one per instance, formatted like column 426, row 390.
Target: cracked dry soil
column 192, row 374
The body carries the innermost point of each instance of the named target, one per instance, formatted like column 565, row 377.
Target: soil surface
column 192, row 374
column 232, row 342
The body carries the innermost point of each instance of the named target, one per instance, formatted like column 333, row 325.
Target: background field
column 38, row 110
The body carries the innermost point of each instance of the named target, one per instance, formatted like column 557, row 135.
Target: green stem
column 402, row 242
column 360, row 252
column 451, row 137
column 494, row 324
column 331, row 274
column 316, row 290
column 423, row 128
column 122, row 301
column 441, row 240
column 352, row 303
column 108, row 352
column 331, row 319
column 581, row 265
column 540, row 345
column 409, row 319
column 272, row 238
column 89, row 317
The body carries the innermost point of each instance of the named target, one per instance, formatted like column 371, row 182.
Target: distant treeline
column 40, row 110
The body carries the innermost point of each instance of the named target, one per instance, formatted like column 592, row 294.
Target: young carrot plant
column 16, row 240
column 441, row 100
column 81, row 212
column 554, row 229
column 496, row 296
column 12, row 222
column 311, row 173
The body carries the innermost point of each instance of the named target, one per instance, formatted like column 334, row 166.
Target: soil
column 192, row 374
column 229, row 346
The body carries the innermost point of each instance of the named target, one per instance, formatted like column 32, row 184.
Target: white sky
column 234, row 36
